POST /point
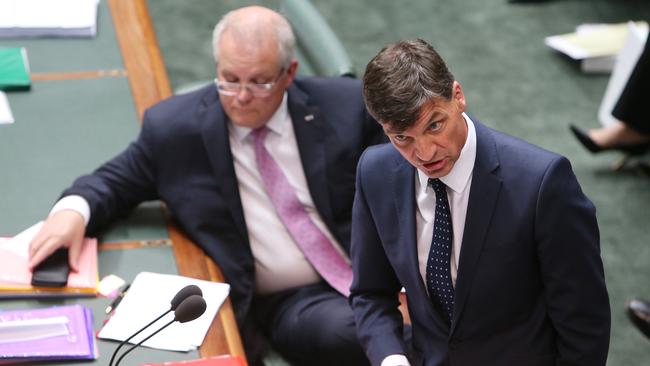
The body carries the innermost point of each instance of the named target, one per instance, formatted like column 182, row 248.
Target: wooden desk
column 149, row 84
column 65, row 127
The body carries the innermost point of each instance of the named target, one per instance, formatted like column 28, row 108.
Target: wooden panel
column 149, row 84
column 142, row 57
column 192, row 262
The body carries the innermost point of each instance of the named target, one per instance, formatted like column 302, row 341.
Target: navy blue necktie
column 441, row 290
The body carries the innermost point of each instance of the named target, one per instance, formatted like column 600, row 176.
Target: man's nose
column 244, row 95
column 425, row 149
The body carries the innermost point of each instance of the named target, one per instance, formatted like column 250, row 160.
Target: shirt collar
column 277, row 123
column 461, row 172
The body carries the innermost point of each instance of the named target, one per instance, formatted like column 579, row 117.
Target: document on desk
column 148, row 297
column 14, row 69
column 48, row 18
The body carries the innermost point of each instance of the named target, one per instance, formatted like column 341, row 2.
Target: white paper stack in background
column 148, row 297
column 596, row 45
column 48, row 18
column 633, row 46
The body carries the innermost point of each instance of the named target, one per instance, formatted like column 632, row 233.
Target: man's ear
column 458, row 96
column 292, row 69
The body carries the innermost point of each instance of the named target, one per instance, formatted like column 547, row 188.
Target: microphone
column 183, row 294
column 188, row 310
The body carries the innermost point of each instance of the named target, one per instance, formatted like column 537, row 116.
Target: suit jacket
column 530, row 288
column 182, row 156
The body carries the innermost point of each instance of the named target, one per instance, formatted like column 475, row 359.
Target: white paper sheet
column 6, row 116
column 148, row 297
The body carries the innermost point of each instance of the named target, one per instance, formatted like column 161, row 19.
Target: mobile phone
column 53, row 271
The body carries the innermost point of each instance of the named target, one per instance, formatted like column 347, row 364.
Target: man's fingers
column 74, row 252
column 36, row 243
column 41, row 252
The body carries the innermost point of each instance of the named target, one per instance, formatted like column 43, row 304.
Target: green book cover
column 14, row 69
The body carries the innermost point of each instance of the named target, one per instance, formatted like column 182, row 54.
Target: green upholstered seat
column 318, row 50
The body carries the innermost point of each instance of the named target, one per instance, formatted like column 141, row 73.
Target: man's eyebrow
column 435, row 115
column 393, row 131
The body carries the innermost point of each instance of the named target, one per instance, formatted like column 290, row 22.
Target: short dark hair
column 403, row 77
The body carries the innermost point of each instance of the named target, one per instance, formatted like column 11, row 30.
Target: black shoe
column 638, row 311
column 586, row 141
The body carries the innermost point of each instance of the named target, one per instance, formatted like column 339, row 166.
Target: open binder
column 56, row 333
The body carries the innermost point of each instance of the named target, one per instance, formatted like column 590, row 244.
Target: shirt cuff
column 395, row 360
column 75, row 203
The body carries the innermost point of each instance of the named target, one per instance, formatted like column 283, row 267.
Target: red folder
column 226, row 360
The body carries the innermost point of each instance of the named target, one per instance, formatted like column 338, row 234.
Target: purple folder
column 77, row 344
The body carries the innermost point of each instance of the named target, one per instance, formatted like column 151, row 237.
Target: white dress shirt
column 279, row 262
column 458, row 181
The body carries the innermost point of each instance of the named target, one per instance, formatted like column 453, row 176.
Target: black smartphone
column 53, row 271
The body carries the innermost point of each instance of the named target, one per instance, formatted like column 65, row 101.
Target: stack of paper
column 595, row 45
column 148, row 297
column 48, row 18
column 14, row 69
column 58, row 333
column 625, row 62
column 15, row 277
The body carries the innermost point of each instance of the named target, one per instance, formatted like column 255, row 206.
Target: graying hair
column 402, row 78
column 283, row 32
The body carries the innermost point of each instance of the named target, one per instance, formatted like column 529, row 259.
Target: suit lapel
column 482, row 201
column 403, row 191
column 310, row 130
column 214, row 131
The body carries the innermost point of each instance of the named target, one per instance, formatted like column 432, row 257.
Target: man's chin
column 246, row 122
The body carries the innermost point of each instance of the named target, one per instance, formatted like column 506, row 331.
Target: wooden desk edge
column 149, row 84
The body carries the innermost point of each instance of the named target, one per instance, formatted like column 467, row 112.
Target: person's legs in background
column 312, row 325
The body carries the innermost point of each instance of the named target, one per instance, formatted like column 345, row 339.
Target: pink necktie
column 314, row 244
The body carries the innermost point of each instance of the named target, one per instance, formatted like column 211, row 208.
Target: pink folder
column 15, row 277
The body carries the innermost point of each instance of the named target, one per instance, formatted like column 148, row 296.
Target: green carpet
column 512, row 82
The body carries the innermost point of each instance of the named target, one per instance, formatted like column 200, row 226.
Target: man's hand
column 65, row 228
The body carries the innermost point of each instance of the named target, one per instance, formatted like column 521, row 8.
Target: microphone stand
column 131, row 337
column 142, row 341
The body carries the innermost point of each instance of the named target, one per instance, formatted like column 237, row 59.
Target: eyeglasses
column 231, row 89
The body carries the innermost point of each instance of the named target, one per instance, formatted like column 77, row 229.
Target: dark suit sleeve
column 571, row 267
column 120, row 184
column 375, row 286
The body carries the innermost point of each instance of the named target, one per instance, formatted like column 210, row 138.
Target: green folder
column 14, row 69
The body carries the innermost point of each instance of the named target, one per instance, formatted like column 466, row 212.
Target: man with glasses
column 259, row 170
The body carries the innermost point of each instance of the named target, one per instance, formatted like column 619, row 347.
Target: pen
column 117, row 299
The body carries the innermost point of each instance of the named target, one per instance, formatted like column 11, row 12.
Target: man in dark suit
column 239, row 164
column 492, row 238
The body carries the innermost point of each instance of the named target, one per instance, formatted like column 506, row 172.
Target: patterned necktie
column 439, row 283
column 314, row 244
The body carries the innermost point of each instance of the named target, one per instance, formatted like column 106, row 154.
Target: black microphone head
column 190, row 309
column 184, row 293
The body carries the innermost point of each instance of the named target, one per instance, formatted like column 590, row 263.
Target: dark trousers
column 311, row 325
column 632, row 106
